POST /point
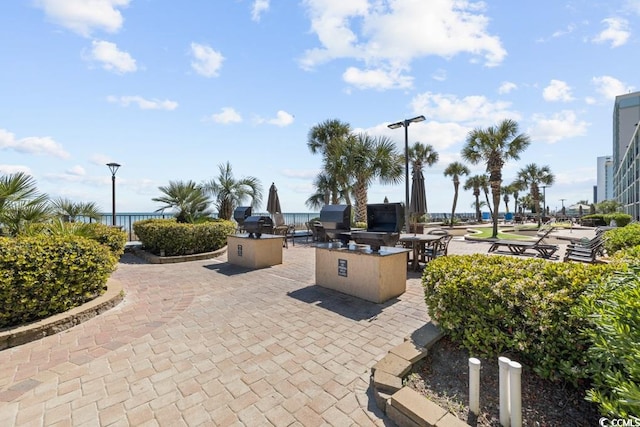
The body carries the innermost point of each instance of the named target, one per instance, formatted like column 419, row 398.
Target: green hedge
column 622, row 238
column 621, row 219
column 496, row 305
column 176, row 239
column 45, row 275
column 614, row 353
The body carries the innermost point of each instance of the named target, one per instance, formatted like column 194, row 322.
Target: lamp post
column 544, row 200
column 405, row 123
column 113, row 167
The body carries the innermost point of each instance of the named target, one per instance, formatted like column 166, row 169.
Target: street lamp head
column 416, row 119
column 113, row 167
column 395, row 125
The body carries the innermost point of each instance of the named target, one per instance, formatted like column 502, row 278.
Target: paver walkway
column 207, row 343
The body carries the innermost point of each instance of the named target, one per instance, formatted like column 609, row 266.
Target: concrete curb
column 19, row 335
column 155, row 259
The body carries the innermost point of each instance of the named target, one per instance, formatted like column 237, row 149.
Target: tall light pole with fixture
column 405, row 123
column 544, row 200
column 113, row 167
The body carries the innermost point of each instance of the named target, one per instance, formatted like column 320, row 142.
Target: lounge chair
column 584, row 253
column 282, row 229
column 520, row 247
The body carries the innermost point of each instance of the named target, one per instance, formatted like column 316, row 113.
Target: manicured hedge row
column 620, row 238
column 45, row 275
column 621, row 219
column 496, row 305
column 172, row 238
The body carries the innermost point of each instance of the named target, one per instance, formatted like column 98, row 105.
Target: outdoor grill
column 258, row 225
column 336, row 221
column 241, row 213
column 384, row 222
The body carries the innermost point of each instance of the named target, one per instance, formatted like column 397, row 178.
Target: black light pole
column 405, row 124
column 113, row 167
column 544, row 200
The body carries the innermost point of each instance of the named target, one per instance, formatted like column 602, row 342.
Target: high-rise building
column 604, row 183
column 626, row 151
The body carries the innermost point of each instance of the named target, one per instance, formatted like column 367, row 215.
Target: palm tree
column 474, row 183
column 506, row 192
column 455, row 170
column 21, row 203
column 327, row 138
column 420, row 155
column 495, row 146
column 367, row 158
column 69, row 210
column 323, row 184
column 187, row 198
column 230, row 193
column 533, row 176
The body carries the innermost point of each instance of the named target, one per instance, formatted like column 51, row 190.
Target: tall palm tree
column 323, row 185
column 188, row 199
column 69, row 210
column 495, row 146
column 455, row 170
column 21, row 203
column 475, row 183
column 367, row 158
column 327, row 139
column 533, row 176
column 506, row 192
column 229, row 192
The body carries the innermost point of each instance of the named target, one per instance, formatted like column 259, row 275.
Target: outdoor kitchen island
column 251, row 252
column 360, row 272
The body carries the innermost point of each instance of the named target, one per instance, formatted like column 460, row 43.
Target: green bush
column 599, row 220
column 176, row 239
column 45, row 275
column 614, row 354
column 112, row 237
column 621, row 238
column 496, row 305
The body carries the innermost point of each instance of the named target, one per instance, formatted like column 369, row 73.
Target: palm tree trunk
column 495, row 192
column 360, row 190
column 455, row 202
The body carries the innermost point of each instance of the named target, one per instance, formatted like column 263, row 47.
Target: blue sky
column 170, row 89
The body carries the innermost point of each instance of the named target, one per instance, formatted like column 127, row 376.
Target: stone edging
column 403, row 405
column 155, row 259
column 57, row 323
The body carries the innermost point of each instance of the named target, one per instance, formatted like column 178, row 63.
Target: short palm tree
column 495, row 146
column 420, row 155
column 455, row 170
column 188, row 199
column 21, row 203
column 533, row 176
column 475, row 183
column 69, row 210
column 323, row 184
column 367, row 158
column 230, row 192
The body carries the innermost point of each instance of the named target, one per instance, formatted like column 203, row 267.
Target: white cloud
column 282, row 119
column 11, row 169
column 100, row 159
column 259, row 7
column 144, row 104
column 557, row 91
column 609, row 87
column 206, row 61
column 472, row 110
column 77, row 170
column 506, row 87
column 85, row 16
column 111, row 58
column 376, row 79
column 617, row 32
column 559, row 126
column 390, row 36
column 228, row 115
column 41, row 146
column 439, row 75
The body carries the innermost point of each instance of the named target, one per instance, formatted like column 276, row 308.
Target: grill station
column 240, row 214
column 258, row 225
column 336, row 221
column 384, row 223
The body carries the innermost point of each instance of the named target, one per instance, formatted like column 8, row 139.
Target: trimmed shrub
column 496, row 305
column 45, row 275
column 614, row 354
column 620, row 218
column 176, row 239
column 112, row 237
column 621, row 238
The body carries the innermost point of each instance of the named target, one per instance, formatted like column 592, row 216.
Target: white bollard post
column 515, row 398
column 503, row 364
column 474, row 385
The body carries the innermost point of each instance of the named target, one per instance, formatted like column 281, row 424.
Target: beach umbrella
column 418, row 205
column 273, row 202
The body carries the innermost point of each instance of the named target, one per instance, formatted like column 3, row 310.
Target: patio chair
column 520, row 247
column 439, row 248
column 588, row 254
column 282, row 229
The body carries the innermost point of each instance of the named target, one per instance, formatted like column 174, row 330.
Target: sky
column 171, row 90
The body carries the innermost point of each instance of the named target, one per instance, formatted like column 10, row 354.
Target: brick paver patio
column 207, row 343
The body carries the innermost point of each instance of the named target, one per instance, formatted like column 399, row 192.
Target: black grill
column 241, row 213
column 258, row 225
column 384, row 222
column 336, row 221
